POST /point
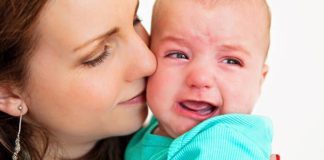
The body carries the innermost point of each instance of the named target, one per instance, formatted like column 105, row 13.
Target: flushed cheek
column 155, row 92
column 162, row 86
column 239, row 98
column 162, row 99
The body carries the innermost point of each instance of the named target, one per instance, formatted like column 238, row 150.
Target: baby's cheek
column 157, row 81
column 152, row 91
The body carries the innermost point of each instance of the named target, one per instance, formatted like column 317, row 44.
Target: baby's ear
column 10, row 102
column 264, row 73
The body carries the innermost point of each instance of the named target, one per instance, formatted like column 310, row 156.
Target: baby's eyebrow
column 234, row 47
column 173, row 38
column 167, row 38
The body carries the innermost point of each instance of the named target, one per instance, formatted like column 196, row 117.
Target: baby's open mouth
column 199, row 108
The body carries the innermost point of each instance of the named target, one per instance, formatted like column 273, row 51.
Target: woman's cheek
column 95, row 93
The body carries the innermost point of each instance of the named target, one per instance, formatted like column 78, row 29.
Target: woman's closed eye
column 99, row 59
column 93, row 62
column 177, row 55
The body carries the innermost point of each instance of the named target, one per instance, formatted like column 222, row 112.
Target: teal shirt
column 225, row 137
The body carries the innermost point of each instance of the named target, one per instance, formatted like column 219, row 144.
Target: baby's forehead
column 254, row 10
column 261, row 5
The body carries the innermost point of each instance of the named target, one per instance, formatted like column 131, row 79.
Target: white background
column 293, row 93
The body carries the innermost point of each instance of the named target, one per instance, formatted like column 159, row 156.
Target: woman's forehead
column 73, row 23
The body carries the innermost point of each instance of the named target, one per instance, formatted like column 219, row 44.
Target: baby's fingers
column 275, row 157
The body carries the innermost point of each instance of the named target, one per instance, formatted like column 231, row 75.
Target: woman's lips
column 138, row 99
column 197, row 110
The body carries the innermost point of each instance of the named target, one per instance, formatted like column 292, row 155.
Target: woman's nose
column 143, row 62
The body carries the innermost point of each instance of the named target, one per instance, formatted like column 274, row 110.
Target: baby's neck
column 161, row 132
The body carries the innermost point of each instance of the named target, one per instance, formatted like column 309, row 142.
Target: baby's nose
column 200, row 78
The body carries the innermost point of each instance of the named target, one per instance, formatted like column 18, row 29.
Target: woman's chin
column 136, row 123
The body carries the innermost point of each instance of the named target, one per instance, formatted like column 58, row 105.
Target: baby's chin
column 177, row 131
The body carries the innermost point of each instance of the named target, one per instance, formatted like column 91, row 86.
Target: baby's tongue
column 200, row 107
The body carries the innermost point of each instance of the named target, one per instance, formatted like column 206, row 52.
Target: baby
column 211, row 65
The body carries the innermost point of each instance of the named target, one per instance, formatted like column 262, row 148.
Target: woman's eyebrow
column 102, row 36
column 107, row 34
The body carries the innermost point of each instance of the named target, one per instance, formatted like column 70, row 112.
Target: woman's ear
column 11, row 102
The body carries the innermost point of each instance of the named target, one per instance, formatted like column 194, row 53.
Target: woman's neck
column 65, row 148
column 68, row 150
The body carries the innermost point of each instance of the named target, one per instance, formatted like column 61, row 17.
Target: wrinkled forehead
column 259, row 6
column 212, row 3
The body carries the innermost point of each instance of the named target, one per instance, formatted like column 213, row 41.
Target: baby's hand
column 275, row 157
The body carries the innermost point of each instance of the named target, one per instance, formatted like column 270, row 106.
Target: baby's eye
column 233, row 61
column 177, row 55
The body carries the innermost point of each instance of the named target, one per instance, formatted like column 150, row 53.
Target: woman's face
column 87, row 72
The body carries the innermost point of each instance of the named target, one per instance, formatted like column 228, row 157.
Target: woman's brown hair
column 18, row 20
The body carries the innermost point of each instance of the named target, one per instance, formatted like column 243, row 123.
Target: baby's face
column 210, row 62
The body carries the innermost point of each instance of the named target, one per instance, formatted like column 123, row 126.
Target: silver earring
column 17, row 141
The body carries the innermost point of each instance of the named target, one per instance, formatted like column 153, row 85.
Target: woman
column 75, row 74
